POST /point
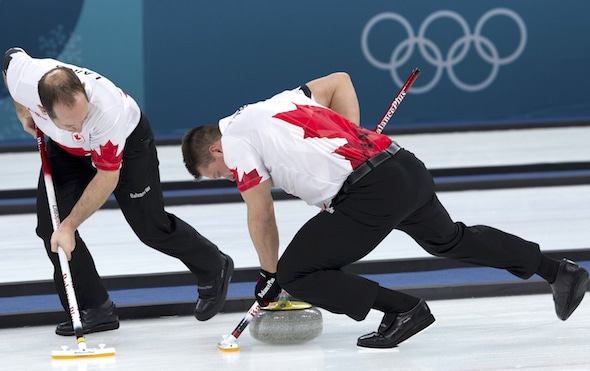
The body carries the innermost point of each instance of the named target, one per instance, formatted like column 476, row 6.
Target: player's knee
column 286, row 276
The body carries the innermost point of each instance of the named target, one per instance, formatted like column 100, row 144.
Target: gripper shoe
column 569, row 288
column 103, row 318
column 397, row 327
column 211, row 299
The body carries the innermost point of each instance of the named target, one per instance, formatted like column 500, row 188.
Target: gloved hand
column 267, row 288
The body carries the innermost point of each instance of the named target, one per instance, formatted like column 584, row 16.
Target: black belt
column 366, row 167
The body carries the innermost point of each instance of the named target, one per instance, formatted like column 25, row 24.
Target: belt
column 366, row 167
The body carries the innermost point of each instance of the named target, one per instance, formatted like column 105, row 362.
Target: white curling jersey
column 303, row 147
column 112, row 116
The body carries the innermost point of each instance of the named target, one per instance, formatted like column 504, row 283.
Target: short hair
column 195, row 147
column 59, row 85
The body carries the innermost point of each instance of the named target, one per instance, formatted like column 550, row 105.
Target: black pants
column 139, row 196
column 398, row 194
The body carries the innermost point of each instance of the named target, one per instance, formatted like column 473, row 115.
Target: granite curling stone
column 286, row 322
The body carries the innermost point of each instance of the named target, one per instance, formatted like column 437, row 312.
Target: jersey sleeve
column 244, row 162
column 108, row 141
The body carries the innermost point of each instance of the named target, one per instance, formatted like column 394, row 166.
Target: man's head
column 64, row 98
column 203, row 154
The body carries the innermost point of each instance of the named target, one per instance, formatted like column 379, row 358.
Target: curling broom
column 229, row 342
column 82, row 350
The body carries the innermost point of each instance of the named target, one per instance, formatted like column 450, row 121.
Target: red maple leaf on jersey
column 108, row 158
column 247, row 180
column 320, row 122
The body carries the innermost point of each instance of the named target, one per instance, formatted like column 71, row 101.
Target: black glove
column 267, row 288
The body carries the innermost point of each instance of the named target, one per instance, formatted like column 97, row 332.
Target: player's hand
column 64, row 238
column 267, row 289
column 29, row 126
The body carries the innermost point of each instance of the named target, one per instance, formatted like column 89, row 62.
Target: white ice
column 501, row 333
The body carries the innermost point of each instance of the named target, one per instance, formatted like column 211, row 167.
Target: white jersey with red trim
column 303, row 147
column 112, row 116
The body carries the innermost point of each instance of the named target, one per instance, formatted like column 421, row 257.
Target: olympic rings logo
column 456, row 53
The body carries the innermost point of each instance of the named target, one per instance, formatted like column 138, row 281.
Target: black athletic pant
column 139, row 196
column 398, row 194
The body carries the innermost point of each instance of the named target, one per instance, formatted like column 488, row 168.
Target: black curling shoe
column 569, row 288
column 397, row 327
column 103, row 318
column 211, row 299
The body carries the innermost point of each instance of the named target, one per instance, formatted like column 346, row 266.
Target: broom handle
column 63, row 260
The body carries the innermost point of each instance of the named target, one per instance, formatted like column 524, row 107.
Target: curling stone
column 286, row 322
